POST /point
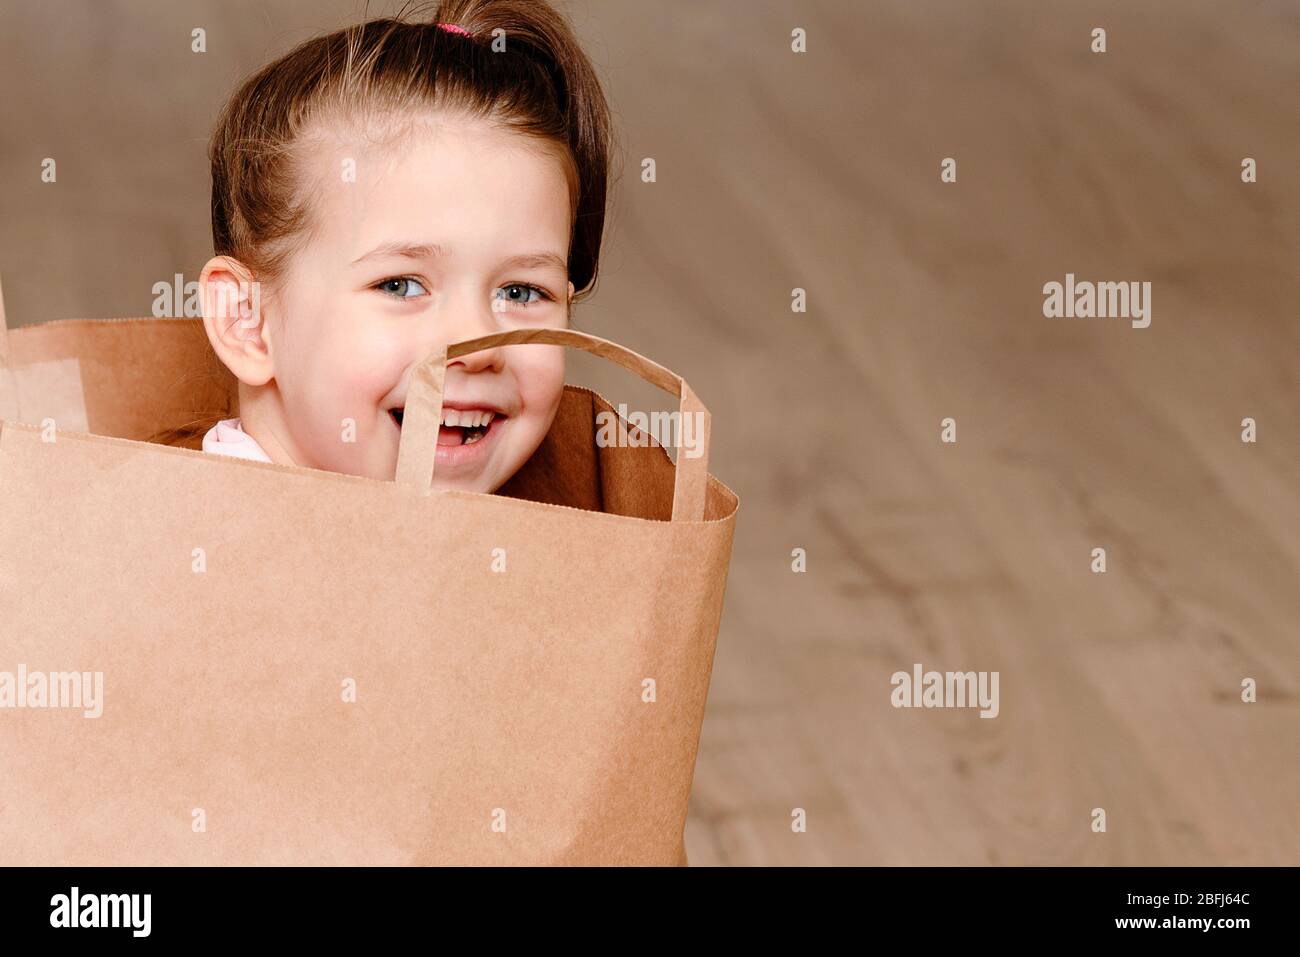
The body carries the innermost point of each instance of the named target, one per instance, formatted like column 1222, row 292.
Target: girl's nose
column 472, row 324
column 485, row 360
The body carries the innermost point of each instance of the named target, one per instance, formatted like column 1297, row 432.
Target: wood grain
column 821, row 171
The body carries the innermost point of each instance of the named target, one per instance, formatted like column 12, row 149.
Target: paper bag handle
column 417, row 453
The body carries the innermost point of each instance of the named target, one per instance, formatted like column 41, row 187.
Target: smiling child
column 388, row 189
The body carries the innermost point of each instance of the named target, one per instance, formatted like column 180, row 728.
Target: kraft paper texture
column 302, row 667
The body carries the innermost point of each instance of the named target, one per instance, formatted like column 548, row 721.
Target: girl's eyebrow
column 538, row 260
column 406, row 250
column 403, row 249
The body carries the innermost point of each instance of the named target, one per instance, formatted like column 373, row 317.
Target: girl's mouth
column 463, row 435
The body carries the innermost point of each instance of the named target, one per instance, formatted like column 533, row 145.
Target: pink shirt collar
column 228, row 437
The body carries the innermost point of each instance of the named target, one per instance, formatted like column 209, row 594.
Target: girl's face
column 461, row 231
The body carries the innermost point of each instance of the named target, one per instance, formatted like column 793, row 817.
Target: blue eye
column 400, row 287
column 515, row 290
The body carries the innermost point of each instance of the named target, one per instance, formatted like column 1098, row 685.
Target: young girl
column 389, row 188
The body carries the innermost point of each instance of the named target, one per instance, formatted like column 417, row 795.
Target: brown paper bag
column 303, row 667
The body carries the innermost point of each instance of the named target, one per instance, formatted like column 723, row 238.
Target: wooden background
column 821, row 171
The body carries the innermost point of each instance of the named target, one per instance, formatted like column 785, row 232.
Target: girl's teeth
column 466, row 419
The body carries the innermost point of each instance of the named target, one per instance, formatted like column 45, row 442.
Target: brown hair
column 520, row 66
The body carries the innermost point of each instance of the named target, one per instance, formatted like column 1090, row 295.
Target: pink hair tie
column 452, row 28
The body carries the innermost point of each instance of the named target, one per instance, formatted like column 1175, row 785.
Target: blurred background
column 821, row 171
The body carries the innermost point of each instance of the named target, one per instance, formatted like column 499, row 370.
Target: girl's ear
column 234, row 320
column 570, row 292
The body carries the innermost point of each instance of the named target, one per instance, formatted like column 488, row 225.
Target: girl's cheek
column 364, row 365
column 351, row 382
column 541, row 382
